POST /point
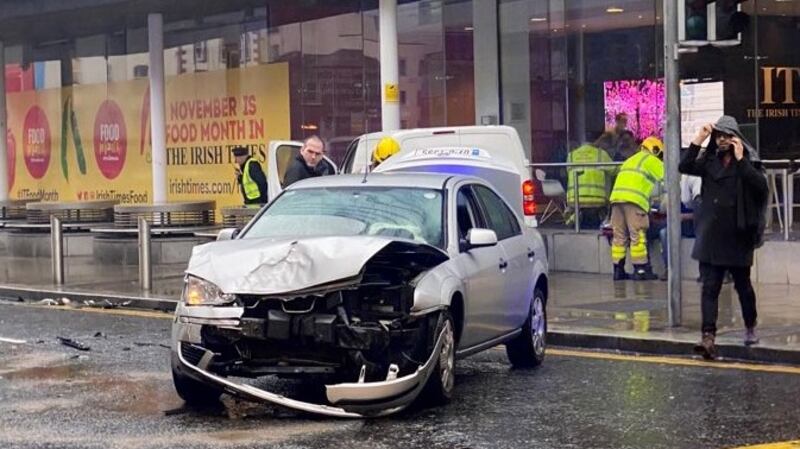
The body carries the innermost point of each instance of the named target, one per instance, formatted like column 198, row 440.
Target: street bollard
column 57, row 249
column 145, row 263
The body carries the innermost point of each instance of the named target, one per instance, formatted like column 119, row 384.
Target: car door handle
column 531, row 253
column 503, row 264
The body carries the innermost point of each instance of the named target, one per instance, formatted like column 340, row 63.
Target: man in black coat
column 729, row 221
column 308, row 163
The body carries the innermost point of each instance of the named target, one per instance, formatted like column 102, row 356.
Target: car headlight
column 197, row 292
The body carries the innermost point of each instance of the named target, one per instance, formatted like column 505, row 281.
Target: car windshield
column 410, row 213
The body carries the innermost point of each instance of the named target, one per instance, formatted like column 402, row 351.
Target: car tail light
column 528, row 203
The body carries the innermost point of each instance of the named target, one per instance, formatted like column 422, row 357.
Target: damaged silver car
column 371, row 288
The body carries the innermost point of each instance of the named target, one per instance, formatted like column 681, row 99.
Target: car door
column 481, row 273
column 279, row 157
column 518, row 277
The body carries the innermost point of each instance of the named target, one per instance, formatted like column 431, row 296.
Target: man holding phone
column 250, row 176
column 729, row 221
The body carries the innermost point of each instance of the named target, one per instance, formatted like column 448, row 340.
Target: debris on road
column 140, row 343
column 55, row 302
column 105, row 304
column 73, row 344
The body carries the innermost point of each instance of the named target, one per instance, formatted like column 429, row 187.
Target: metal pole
column 145, row 262
column 3, row 128
column 786, row 205
column 390, row 65
column 158, row 130
column 576, row 202
column 57, row 249
column 672, row 156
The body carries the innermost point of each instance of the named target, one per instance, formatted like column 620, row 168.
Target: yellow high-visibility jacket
column 591, row 181
column 637, row 178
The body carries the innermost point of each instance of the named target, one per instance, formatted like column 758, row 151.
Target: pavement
column 584, row 310
column 119, row 394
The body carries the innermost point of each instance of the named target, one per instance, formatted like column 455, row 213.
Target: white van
column 494, row 153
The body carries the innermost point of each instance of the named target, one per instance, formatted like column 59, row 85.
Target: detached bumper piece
column 350, row 400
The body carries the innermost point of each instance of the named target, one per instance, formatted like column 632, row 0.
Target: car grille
column 191, row 353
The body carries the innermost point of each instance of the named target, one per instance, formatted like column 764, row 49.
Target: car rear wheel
column 190, row 390
column 528, row 349
column 439, row 389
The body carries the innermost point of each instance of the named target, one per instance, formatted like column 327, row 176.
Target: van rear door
column 279, row 156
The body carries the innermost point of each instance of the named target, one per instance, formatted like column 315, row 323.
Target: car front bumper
column 347, row 400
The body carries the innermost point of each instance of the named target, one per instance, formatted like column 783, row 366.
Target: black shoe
column 619, row 271
column 644, row 272
column 706, row 346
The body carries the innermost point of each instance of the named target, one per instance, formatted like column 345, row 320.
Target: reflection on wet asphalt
column 116, row 395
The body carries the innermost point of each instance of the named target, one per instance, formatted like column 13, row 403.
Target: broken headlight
column 197, row 292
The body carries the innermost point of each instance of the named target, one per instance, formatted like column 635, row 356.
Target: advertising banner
column 92, row 142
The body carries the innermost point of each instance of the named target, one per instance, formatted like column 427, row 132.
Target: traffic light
column 711, row 22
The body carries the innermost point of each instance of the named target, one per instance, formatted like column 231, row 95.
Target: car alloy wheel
column 538, row 325
column 447, row 357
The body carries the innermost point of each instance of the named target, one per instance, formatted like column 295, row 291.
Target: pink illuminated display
column 643, row 100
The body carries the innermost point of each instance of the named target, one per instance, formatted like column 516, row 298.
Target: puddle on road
column 41, row 366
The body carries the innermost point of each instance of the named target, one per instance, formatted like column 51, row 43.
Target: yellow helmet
column 385, row 148
column 654, row 145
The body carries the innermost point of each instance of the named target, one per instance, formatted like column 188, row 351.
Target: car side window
column 501, row 219
column 466, row 213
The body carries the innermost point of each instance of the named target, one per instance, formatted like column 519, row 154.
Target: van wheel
column 441, row 382
column 190, row 390
column 527, row 350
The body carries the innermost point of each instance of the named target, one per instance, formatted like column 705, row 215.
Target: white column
column 3, row 127
column 485, row 51
column 516, row 71
column 390, row 105
column 158, row 137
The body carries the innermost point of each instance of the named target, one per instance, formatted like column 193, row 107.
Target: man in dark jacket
column 308, row 163
column 729, row 222
column 250, row 177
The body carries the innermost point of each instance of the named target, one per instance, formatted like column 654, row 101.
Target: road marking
column 13, row 341
column 783, row 369
column 779, row 445
column 123, row 312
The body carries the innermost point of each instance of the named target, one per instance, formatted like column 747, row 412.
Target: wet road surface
column 116, row 395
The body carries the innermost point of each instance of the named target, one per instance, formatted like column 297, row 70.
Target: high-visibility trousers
column 630, row 224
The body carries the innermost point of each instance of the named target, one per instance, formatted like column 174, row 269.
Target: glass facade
column 559, row 71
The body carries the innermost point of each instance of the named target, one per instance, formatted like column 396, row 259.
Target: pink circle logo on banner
column 110, row 139
column 11, row 150
column 36, row 142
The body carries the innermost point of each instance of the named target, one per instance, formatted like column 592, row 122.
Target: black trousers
column 712, row 284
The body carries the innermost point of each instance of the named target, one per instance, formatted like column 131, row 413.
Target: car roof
column 397, row 179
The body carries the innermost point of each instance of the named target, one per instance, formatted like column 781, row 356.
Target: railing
column 785, row 168
column 579, row 168
column 166, row 215
column 70, row 213
column 13, row 209
column 238, row 217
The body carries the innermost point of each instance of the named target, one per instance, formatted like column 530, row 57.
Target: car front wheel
column 527, row 350
column 190, row 390
column 439, row 389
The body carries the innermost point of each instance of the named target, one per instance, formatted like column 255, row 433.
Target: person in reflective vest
column 250, row 176
column 630, row 206
column 592, row 191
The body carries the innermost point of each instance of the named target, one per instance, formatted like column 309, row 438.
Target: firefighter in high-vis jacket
column 630, row 206
column 592, row 188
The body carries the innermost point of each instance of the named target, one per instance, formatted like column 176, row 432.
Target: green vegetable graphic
column 76, row 137
column 64, row 115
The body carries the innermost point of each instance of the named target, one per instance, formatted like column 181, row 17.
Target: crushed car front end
column 358, row 335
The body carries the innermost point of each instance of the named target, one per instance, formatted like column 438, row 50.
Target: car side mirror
column 479, row 238
column 228, row 234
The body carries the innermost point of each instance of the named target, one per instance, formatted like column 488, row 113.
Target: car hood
column 276, row 266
